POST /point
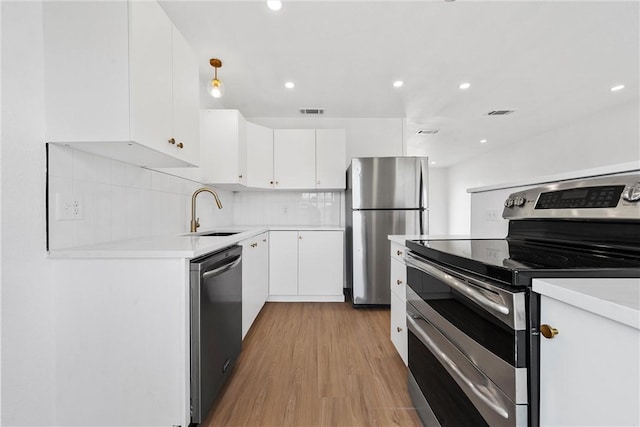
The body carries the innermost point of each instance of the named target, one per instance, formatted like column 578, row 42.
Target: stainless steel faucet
column 195, row 222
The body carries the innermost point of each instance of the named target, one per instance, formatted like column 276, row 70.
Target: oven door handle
column 481, row 392
column 456, row 284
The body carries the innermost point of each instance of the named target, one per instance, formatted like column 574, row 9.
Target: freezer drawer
column 370, row 250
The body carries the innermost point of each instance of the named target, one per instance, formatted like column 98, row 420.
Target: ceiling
column 553, row 62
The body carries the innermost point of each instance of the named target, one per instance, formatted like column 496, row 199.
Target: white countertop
column 401, row 238
column 189, row 245
column 615, row 299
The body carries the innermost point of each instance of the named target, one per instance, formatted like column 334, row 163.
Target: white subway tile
column 60, row 161
column 83, row 166
column 118, row 173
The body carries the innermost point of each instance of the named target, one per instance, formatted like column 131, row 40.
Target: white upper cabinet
column 238, row 154
column 294, row 158
column 331, row 156
column 120, row 81
column 259, row 156
column 186, row 102
column 223, row 147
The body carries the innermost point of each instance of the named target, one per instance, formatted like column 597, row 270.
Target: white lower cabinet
column 398, row 281
column 306, row 265
column 589, row 371
column 255, row 278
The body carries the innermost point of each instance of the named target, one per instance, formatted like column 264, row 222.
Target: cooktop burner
column 504, row 259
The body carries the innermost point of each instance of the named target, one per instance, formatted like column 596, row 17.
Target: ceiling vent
column 500, row 112
column 315, row 111
column 427, row 131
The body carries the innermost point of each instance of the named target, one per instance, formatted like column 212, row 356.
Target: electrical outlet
column 69, row 208
column 492, row 215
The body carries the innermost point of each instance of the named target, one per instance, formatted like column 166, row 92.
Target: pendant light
column 215, row 89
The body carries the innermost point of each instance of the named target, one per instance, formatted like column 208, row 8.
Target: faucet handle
column 197, row 223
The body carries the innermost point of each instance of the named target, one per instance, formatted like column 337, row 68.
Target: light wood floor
column 316, row 364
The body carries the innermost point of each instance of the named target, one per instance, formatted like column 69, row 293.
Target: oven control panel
column 596, row 198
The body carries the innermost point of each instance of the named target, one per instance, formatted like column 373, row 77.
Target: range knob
column 519, row 201
column 508, row 203
column 632, row 193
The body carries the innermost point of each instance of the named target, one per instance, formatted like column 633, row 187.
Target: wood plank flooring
column 316, row 364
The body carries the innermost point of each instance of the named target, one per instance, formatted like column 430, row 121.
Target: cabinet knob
column 398, row 253
column 264, row 240
column 548, row 332
column 399, row 329
column 180, row 145
column 240, row 176
column 253, row 245
column 398, row 282
column 277, row 183
column 271, row 182
column 172, row 141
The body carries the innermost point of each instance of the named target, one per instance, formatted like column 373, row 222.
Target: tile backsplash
column 121, row 201
column 288, row 208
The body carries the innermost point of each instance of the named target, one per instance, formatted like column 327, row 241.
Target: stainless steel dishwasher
column 216, row 325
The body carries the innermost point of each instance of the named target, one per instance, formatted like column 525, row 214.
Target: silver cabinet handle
column 476, row 386
column 222, row 269
column 456, row 284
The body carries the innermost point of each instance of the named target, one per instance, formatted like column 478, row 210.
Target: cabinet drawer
column 399, row 279
column 399, row 326
column 397, row 252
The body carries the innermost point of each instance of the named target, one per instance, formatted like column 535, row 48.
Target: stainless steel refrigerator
column 385, row 195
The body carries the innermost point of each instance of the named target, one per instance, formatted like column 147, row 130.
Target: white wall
column 438, row 201
column 27, row 291
column 610, row 137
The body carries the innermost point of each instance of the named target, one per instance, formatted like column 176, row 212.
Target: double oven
column 472, row 319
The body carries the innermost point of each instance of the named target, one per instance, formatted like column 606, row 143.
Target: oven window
column 447, row 401
column 469, row 318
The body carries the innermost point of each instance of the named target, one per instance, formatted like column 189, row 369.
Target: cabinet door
column 330, row 158
column 250, row 283
column 255, row 278
column 283, row 263
column 399, row 326
column 86, row 71
column 151, row 71
column 222, row 133
column 589, row 372
column 185, row 100
column 259, row 165
column 294, row 158
column 262, row 266
column 320, row 269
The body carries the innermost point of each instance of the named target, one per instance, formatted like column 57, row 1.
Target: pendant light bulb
column 216, row 89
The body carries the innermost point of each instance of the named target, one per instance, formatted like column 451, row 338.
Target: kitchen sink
column 221, row 233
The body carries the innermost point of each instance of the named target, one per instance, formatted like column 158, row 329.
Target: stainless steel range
column 473, row 320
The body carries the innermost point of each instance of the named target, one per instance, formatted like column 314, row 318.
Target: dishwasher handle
column 222, row 269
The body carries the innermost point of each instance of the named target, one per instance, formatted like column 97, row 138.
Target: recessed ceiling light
column 289, row 85
column 465, row 85
column 617, row 88
column 274, row 4
column 433, row 162
column 482, row 141
column 398, row 83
